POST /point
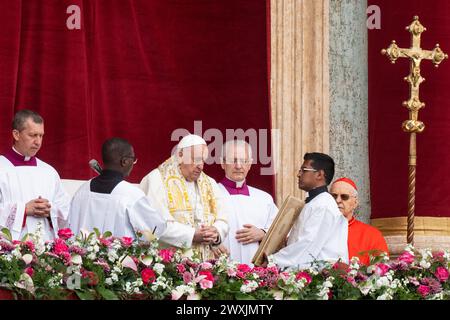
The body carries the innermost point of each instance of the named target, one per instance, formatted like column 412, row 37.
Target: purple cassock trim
column 233, row 189
column 19, row 160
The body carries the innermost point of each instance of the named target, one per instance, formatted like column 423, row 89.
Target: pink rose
column 438, row 255
column 65, row 233
column 166, row 255
column 208, row 281
column 208, row 275
column 231, row 272
column 423, row 290
column 66, row 257
column 29, row 271
column 352, row 281
column 304, row 275
column 442, row 274
column 261, row 272
column 30, row 245
column 148, row 276
column 105, row 241
column 381, row 269
column 273, row 270
column 206, row 284
column 284, row 275
column 181, row 268
column 206, row 266
column 187, row 277
column 60, row 247
column 406, row 257
column 245, row 268
column 126, row 241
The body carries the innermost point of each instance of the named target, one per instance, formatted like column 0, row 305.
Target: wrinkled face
column 345, row 197
column 29, row 140
column 237, row 162
column 192, row 160
column 307, row 176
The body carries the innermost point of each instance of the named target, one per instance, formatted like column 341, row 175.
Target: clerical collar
column 18, row 159
column 315, row 192
column 106, row 181
column 235, row 188
column 351, row 221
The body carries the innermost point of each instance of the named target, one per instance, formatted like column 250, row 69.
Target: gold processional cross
column 416, row 54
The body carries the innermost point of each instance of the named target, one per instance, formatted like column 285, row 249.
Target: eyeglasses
column 303, row 170
column 238, row 161
column 135, row 160
column 343, row 196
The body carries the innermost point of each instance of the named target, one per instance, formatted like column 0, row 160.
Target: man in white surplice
column 30, row 189
column 320, row 232
column 252, row 210
column 190, row 200
column 109, row 203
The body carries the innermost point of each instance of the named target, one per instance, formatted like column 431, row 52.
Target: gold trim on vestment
column 179, row 204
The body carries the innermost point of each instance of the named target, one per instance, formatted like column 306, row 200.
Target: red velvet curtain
column 388, row 144
column 137, row 69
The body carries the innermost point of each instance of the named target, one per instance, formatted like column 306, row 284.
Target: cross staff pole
column 412, row 126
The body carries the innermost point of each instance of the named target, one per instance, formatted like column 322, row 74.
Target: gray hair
column 22, row 116
column 238, row 143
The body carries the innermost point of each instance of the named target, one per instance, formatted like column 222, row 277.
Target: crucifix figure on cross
column 416, row 54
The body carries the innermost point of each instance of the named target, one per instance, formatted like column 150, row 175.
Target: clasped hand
column 206, row 235
column 39, row 207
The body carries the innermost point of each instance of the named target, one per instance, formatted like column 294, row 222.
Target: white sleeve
column 176, row 234
column 143, row 217
column 318, row 225
column 60, row 206
column 11, row 216
column 223, row 208
column 272, row 213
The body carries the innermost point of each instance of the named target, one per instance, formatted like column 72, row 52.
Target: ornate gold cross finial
column 416, row 54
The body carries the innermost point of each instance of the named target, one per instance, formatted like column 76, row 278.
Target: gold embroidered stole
column 179, row 204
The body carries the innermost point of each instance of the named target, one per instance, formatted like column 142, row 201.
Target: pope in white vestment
column 189, row 200
column 31, row 192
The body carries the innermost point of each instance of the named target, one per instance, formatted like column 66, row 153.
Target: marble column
column 349, row 96
column 299, row 86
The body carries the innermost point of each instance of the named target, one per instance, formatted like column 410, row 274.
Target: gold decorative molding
column 423, row 226
column 299, row 84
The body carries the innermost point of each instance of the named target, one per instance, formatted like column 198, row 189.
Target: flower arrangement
column 101, row 266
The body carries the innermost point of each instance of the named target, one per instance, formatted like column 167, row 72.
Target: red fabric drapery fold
column 137, row 69
column 388, row 144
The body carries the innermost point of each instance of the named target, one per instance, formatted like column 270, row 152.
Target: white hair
column 354, row 191
column 238, row 143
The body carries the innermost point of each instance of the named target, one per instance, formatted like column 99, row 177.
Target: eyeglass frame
column 348, row 196
column 135, row 160
column 303, row 170
column 236, row 161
